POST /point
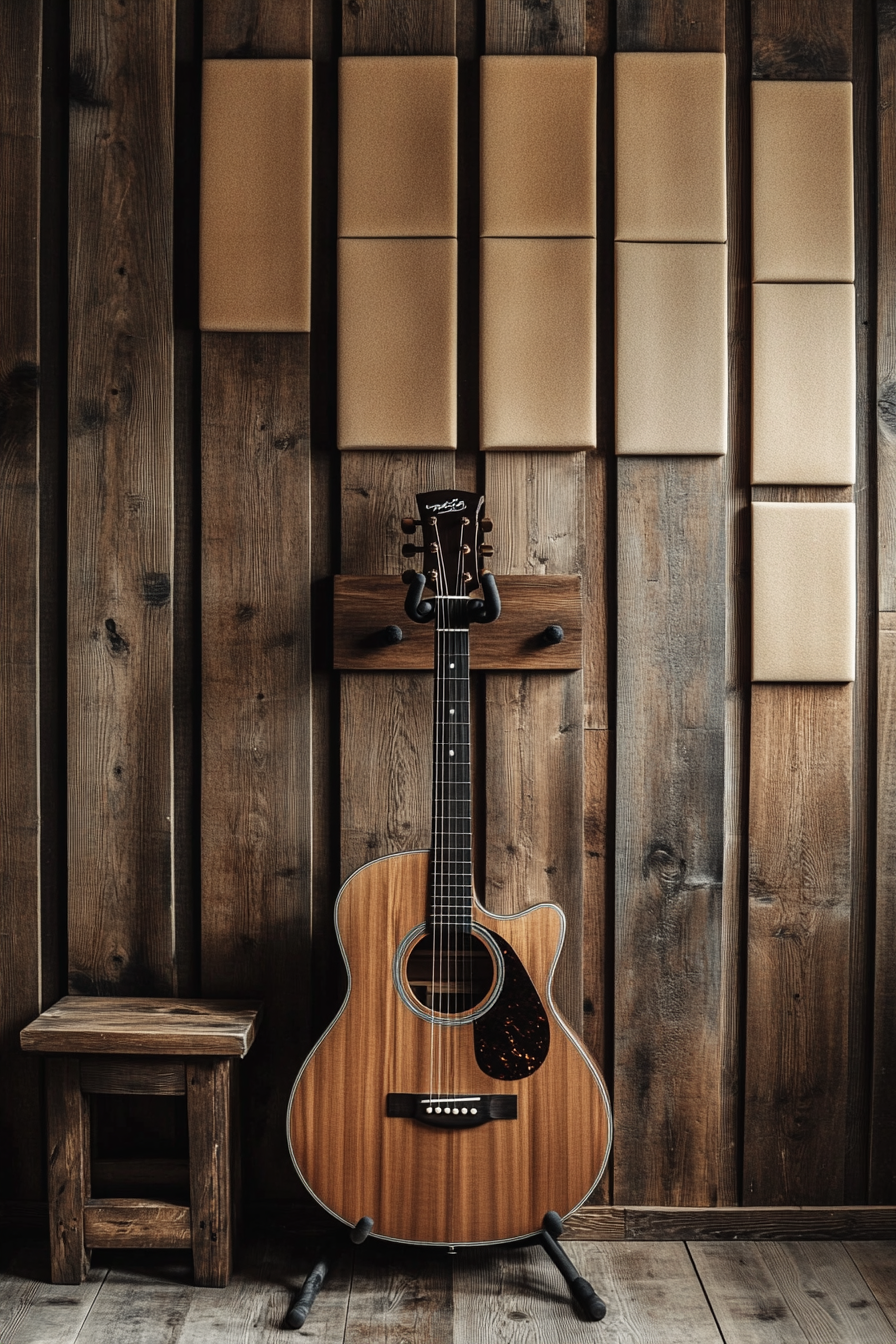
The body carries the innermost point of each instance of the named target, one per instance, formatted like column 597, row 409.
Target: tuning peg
column 486, row 525
column 410, row 549
column 485, row 549
column 410, row 525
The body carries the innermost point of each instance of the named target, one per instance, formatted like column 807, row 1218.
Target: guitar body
column 418, row 1181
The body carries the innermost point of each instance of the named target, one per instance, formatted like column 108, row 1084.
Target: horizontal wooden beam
column 642, row 1223
column 114, row 1223
column 365, row 605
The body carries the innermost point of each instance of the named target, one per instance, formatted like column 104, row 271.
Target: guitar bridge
column 460, row 1112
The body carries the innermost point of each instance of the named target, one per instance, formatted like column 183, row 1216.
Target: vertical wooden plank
column 805, row 1121
column 121, row 926
column 798, row 949
column 20, row 884
column 256, row 730
column 209, row 1123
column 883, row 1114
column 534, row 733
column 68, row 1167
column 386, row 722
column 673, row 1144
column 883, row 1110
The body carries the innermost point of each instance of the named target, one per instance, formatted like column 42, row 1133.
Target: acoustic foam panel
column 538, row 340
column 397, row 147
column 804, row 385
column 670, row 147
column 538, row 160
column 671, row 348
column 255, row 196
column 802, row 181
column 804, row 592
column 397, row 343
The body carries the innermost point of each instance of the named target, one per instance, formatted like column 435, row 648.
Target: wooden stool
column 143, row 1047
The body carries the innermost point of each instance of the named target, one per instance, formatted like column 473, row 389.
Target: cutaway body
column 418, row 1180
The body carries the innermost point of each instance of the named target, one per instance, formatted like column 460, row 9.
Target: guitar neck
column 451, row 876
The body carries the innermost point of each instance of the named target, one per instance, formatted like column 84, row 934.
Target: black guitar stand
column 552, row 1227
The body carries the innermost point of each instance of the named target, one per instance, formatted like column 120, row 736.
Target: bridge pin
column 455, row 1111
column 429, row 1110
column 463, row 1110
column 472, row 1110
column 438, row 1110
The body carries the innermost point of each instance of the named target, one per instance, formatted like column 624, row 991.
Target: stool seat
column 172, row 1047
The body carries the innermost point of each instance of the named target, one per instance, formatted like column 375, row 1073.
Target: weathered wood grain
column 798, row 945
column 81, row 1025
column 886, row 306
column 365, row 606
column 209, row 1120
column 398, row 28
column 111, row 1223
column 802, row 39
column 254, row 29
column 123, row 1075
column 597, row 938
column 669, row 843
column 756, row 1224
column 378, row 490
column 68, row 1168
column 877, row 1265
column 142, row 1301
column 519, row 28
column 256, row 726
column 20, row 877
column 394, row 1297
column 670, row 25
column 34, row 1311
column 121, row 926
column 883, row 1113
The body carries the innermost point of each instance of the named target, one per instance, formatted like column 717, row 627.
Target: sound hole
column 451, row 972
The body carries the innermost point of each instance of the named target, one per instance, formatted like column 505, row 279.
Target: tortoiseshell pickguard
column 513, row 1038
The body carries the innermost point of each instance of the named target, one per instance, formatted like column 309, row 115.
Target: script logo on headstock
column 448, row 506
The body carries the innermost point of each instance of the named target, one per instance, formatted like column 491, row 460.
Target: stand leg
column 298, row 1312
column 580, row 1288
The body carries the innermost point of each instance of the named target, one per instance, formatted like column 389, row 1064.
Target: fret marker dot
column 451, row 711
column 451, row 753
column 450, row 664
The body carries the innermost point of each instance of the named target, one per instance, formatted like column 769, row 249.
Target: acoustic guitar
column 448, row 1101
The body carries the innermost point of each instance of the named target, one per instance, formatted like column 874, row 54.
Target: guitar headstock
column 451, row 526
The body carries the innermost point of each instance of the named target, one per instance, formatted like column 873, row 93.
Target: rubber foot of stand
column 594, row 1308
column 361, row 1230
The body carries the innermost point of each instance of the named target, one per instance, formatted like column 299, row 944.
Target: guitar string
column 439, row 791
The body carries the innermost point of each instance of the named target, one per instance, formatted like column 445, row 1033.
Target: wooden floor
column 658, row 1293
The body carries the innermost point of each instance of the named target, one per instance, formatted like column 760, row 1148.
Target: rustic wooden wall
column 184, row 780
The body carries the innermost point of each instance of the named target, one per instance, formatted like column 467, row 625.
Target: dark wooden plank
column 669, row 848
column 653, row 1296
column 34, row 1311
column 68, row 1168
column 365, row 606
column 670, row 25
column 77, row 1024
column 143, row 1299
column 877, row 1265
column 802, row 39
column 886, row 307
column 798, row 944
column 146, row 1223
column 20, row 884
column 883, row 1114
column 117, row 1174
column 209, row 1124
column 597, row 939
column 518, row 28
column 398, row 28
column 133, row 1075
column 255, row 29
column 757, row 1224
column 121, row 934
column 256, row 798
column 737, row 594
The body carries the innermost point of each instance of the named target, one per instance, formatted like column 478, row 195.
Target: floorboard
column 669, row 1292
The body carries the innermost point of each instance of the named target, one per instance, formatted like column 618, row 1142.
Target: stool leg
column 68, row 1168
column 208, row 1122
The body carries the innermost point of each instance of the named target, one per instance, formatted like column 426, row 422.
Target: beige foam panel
column 804, row 592
column 538, row 154
column 671, row 348
column 255, row 196
column 397, row 147
column 802, row 181
column 397, row 343
column 670, row 147
column 538, row 340
column 804, row 385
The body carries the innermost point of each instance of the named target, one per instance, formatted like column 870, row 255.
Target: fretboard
column 451, row 871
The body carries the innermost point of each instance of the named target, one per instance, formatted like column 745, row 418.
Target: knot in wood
column 666, row 867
